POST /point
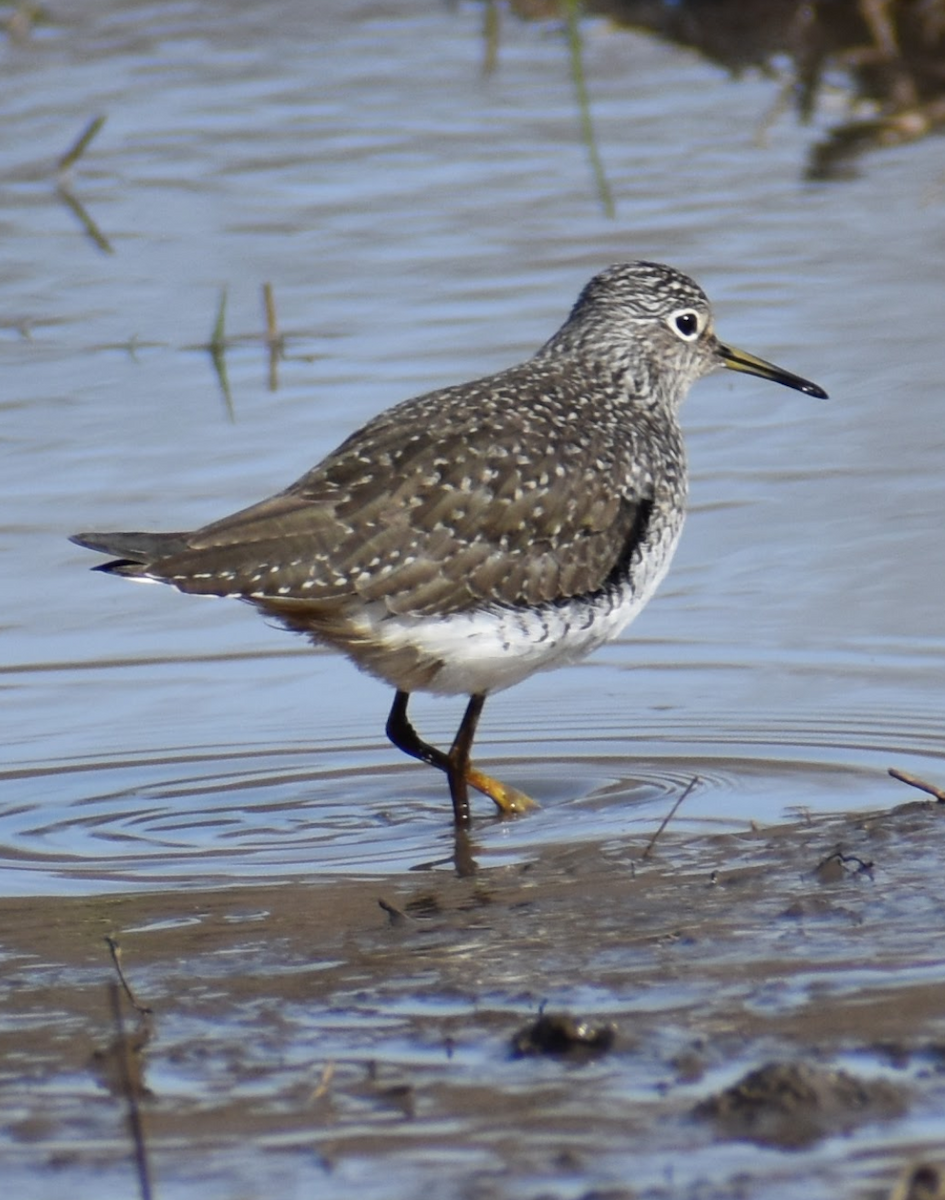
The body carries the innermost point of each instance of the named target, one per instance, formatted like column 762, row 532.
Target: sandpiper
column 464, row 539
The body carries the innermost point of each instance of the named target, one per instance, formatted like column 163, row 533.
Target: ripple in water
column 200, row 817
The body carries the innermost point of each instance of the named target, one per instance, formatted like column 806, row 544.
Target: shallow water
column 422, row 223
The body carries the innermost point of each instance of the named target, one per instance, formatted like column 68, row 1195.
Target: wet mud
column 567, row 1026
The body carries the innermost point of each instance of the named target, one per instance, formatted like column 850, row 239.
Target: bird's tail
column 134, row 552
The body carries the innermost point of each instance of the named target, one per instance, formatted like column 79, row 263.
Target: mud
column 735, row 996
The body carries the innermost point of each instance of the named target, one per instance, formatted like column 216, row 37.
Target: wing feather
column 509, row 491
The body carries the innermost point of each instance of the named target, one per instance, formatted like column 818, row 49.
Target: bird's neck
column 645, row 386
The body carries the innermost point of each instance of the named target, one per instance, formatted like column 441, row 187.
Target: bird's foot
column 508, row 800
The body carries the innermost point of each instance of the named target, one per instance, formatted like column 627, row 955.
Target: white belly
column 492, row 649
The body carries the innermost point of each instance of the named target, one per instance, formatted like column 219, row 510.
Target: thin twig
column 78, row 209
column 324, row 1082
column 863, row 867
column 490, row 37
column 272, row 324
column 275, row 342
column 217, row 348
column 669, row 816
column 130, row 1092
column 575, row 49
column 921, row 784
column 115, row 951
column 218, row 336
column 80, row 145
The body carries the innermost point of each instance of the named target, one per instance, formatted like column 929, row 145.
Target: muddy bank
column 368, row 1033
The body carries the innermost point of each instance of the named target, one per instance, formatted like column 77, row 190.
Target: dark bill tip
column 740, row 360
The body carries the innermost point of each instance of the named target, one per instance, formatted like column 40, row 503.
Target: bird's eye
column 686, row 323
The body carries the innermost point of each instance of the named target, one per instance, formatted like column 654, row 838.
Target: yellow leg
column 507, row 799
column 459, row 770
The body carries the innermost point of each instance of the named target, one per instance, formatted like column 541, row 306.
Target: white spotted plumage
column 467, row 538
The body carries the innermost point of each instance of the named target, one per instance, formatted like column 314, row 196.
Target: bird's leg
column 406, row 738
column 507, row 799
column 456, row 765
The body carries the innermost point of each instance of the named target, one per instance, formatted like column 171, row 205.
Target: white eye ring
column 687, row 324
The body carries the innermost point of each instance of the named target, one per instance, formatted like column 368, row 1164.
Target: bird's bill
column 740, row 360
